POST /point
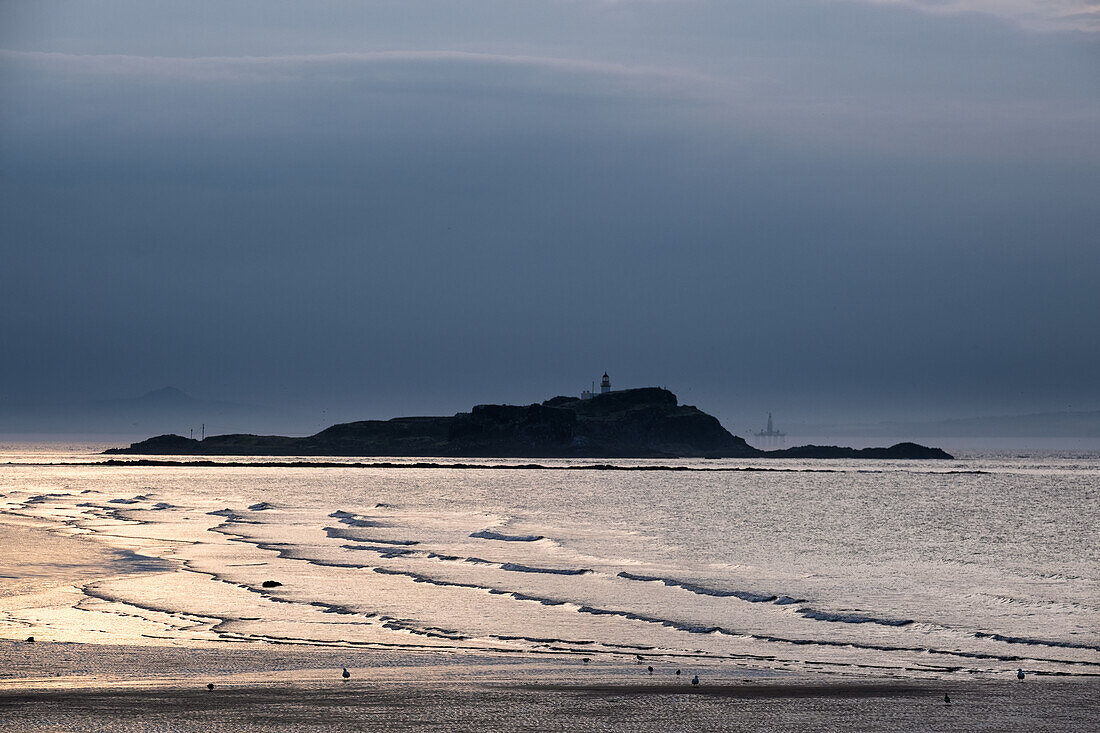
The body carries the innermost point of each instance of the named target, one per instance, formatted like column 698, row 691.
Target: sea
column 974, row 567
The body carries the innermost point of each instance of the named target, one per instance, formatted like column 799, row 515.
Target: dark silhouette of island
column 632, row 423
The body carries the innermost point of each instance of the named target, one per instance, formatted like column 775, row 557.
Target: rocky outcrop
column 897, row 452
column 634, row 423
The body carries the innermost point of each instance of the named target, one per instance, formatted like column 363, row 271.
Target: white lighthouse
column 605, row 387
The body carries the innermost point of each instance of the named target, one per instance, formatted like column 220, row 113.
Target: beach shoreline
column 531, row 601
column 66, row 686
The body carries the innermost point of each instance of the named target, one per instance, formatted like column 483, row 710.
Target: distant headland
column 632, row 423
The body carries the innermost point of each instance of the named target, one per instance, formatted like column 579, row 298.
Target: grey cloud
column 1047, row 15
column 380, row 65
column 338, row 93
column 875, row 211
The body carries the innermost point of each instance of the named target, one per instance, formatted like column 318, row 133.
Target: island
column 633, row 423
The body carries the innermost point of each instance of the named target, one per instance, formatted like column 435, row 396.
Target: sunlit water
column 980, row 565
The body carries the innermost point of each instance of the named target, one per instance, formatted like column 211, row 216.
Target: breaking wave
column 487, row 534
column 705, row 591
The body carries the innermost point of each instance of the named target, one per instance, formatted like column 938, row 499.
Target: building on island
column 605, row 387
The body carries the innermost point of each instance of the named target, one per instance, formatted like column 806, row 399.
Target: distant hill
column 635, row 423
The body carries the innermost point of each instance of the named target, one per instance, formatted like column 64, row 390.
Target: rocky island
column 633, row 423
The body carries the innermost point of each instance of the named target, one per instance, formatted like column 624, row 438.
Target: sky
column 827, row 209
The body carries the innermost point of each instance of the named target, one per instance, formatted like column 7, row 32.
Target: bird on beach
column 586, row 660
column 30, row 638
column 210, row 685
column 695, row 681
column 638, row 658
column 346, row 674
column 947, row 698
column 1020, row 675
column 677, row 673
column 651, row 669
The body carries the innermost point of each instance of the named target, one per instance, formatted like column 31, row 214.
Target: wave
column 41, row 498
column 1036, row 642
column 454, row 635
column 384, row 551
column 487, row 534
column 418, row 578
column 355, row 520
column 548, row 640
column 511, row 567
column 517, row 568
column 343, row 534
column 694, row 628
column 282, row 549
column 232, row 517
column 1061, row 576
column 779, row 600
column 851, row 618
column 744, row 595
column 289, row 552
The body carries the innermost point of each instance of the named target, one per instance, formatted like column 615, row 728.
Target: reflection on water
column 984, row 564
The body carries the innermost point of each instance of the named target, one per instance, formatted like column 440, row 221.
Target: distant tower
column 770, row 434
column 605, row 384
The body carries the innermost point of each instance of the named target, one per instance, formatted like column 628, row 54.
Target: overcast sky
column 875, row 210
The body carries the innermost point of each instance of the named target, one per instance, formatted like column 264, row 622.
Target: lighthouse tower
column 605, row 384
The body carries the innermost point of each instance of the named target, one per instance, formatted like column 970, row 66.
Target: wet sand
column 47, row 686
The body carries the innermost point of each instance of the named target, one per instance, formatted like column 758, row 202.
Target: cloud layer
column 1079, row 15
column 795, row 206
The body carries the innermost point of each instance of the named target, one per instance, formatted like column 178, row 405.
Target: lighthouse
column 605, row 384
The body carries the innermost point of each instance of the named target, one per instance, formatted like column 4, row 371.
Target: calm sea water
column 975, row 566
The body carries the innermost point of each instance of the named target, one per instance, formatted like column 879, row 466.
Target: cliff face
column 614, row 424
column 633, row 423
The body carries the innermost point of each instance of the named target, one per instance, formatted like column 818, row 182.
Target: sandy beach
column 59, row 686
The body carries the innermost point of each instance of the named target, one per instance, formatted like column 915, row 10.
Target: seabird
column 695, row 681
column 30, row 638
column 586, row 660
column 210, row 685
column 947, row 698
column 651, row 669
column 1020, row 675
column 677, row 673
column 638, row 657
column 346, row 675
